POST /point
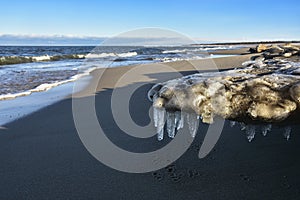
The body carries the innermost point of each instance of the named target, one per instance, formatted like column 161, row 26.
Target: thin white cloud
column 32, row 39
column 46, row 36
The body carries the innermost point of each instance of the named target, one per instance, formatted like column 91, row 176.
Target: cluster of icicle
column 262, row 92
column 173, row 121
column 251, row 129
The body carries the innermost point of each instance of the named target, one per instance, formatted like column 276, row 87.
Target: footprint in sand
column 192, row 173
column 170, row 168
column 245, row 177
column 176, row 177
column 158, row 176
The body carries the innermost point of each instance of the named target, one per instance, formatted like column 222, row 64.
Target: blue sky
column 208, row 20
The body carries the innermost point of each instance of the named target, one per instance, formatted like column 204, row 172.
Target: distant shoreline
column 247, row 43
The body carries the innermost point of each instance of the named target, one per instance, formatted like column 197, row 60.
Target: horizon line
column 70, row 36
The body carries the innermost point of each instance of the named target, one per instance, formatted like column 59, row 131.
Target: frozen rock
column 266, row 90
column 269, row 94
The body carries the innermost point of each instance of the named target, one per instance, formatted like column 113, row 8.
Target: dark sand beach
column 42, row 156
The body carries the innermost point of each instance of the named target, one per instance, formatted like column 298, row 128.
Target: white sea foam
column 12, row 96
column 47, row 86
column 101, row 55
column 41, row 58
column 201, row 49
column 175, row 51
column 107, row 55
column 6, row 60
column 174, row 59
column 128, row 54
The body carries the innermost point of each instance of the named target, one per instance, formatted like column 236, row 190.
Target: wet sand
column 42, row 156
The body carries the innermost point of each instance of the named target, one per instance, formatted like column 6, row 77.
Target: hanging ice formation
column 263, row 92
column 173, row 121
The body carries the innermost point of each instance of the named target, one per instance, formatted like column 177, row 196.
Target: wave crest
column 9, row 60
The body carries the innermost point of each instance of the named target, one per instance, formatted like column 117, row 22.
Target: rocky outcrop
column 265, row 90
column 271, row 51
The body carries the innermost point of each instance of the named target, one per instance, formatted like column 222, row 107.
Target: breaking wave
column 8, row 60
column 200, row 49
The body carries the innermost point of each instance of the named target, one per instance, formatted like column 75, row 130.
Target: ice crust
column 262, row 92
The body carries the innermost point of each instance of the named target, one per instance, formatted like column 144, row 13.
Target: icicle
column 171, row 124
column 193, row 123
column 155, row 115
column 159, row 122
column 243, row 126
column 179, row 120
column 287, row 132
column 265, row 129
column 232, row 123
column 250, row 132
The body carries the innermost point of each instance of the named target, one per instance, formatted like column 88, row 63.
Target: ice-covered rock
column 266, row 91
